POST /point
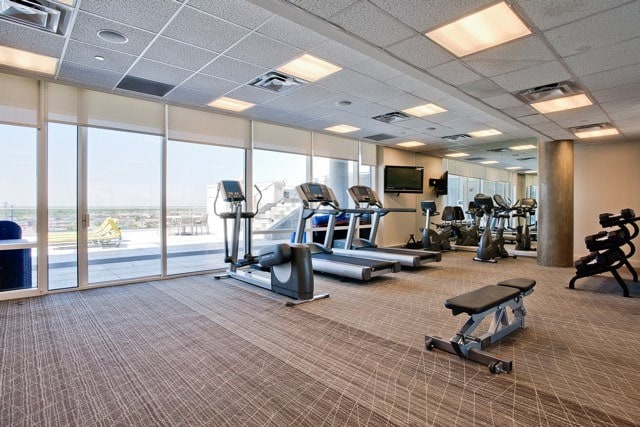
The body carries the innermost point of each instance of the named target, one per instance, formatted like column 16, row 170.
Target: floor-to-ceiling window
column 18, row 202
column 195, row 239
column 338, row 175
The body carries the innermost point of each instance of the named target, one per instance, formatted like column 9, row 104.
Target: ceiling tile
column 503, row 101
column 82, row 53
column 208, row 84
column 156, row 71
column 612, row 78
column 325, row 8
column 533, row 119
column 421, row 52
column 239, row 12
column 519, row 111
column 626, row 114
column 454, row 73
column 334, row 52
column 233, row 69
column 86, row 29
column 286, row 104
column 376, row 70
column 539, row 75
column 378, row 91
column 403, row 101
column 625, row 104
column 606, row 58
column 263, row 51
column 185, row 96
column 347, row 81
column 290, row 33
column 30, row 39
column 315, row 111
column 617, row 93
column 366, row 21
column 604, row 29
column 552, row 13
column 522, row 53
column 203, row 30
column 252, row 94
column 590, row 113
column 482, row 88
column 150, row 15
column 87, row 76
column 423, row 15
column 313, row 93
column 358, row 106
column 179, row 54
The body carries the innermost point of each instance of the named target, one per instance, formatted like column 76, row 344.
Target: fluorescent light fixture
column 488, row 132
column 530, row 171
column 456, row 154
column 582, row 134
column 424, row 110
column 523, row 147
column 513, row 168
column 481, row 30
column 309, row 68
column 230, row 104
column 411, row 144
column 69, row 2
column 27, row 60
column 489, row 162
column 561, row 104
column 342, row 129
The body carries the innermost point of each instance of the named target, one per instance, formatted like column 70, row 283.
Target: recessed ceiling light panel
column 456, row 155
column 561, row 104
column 523, row 147
column 489, row 162
column 594, row 131
column 27, row 60
column 513, row 168
column 411, row 144
column 309, row 68
column 342, row 129
column 424, row 110
column 486, row 28
column 483, row 133
column 230, row 104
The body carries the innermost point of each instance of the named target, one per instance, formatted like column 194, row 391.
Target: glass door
column 122, row 216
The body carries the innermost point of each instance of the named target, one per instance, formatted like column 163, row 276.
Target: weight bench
column 479, row 304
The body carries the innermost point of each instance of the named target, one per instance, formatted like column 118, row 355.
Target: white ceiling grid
column 211, row 48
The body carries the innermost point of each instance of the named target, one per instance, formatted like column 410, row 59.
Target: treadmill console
column 428, row 206
column 231, row 191
column 313, row 192
column 363, row 194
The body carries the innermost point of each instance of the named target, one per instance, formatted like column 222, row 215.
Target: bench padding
column 519, row 283
column 482, row 299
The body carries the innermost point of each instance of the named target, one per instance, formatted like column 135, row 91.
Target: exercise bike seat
column 481, row 300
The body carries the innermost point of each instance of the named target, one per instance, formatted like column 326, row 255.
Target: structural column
column 555, row 214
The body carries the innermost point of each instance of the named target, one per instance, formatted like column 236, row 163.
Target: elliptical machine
column 432, row 240
column 289, row 267
column 526, row 208
column 490, row 248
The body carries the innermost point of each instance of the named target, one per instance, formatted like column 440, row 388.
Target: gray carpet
column 194, row 351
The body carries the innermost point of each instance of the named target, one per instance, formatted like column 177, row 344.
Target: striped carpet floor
column 194, row 351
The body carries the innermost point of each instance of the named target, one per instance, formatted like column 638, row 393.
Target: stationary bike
column 526, row 208
column 467, row 236
column 490, row 248
column 431, row 239
column 288, row 267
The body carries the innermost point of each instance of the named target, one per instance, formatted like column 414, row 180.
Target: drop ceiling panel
column 617, row 93
column 613, row 78
column 426, row 14
column 338, row 54
column 626, row 114
column 315, row 111
column 87, row 76
column 358, row 106
column 239, row 12
column 625, row 104
column 519, row 111
column 454, row 73
column 534, row 119
column 378, row 92
column 185, row 96
column 263, row 51
column 179, row 54
column 82, row 53
column 604, row 29
column 325, row 8
column 287, row 104
column 37, row 41
column 443, row 117
column 369, row 22
column 313, row 93
column 503, row 101
column 550, row 72
column 482, row 88
column 150, row 15
column 606, row 58
column 233, row 69
column 290, row 33
column 421, row 52
column 86, row 30
column 523, row 53
column 402, row 102
column 553, row 13
column 376, row 70
column 159, row 72
column 200, row 29
column 209, row 84
column 252, row 94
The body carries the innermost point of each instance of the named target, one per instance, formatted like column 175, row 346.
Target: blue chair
column 15, row 264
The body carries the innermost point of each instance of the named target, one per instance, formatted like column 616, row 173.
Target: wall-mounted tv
column 403, row 179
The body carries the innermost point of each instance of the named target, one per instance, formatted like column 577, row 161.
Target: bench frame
column 469, row 346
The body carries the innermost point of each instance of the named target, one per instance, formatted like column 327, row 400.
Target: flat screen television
column 403, row 179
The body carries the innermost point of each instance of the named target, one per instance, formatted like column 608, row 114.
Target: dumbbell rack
column 606, row 249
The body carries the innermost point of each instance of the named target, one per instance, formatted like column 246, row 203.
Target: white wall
column 606, row 179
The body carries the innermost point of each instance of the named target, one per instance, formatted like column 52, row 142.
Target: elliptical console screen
column 232, row 191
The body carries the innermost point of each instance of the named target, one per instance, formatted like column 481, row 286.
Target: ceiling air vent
column 149, row 87
column 596, row 126
column 276, row 82
column 392, row 117
column 553, row 90
column 42, row 14
column 473, row 159
column 380, row 136
column 522, row 159
column 458, row 137
column 498, row 150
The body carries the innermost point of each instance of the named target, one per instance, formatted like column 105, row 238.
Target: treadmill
column 319, row 199
column 367, row 198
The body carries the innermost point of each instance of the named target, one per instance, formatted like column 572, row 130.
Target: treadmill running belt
column 375, row 264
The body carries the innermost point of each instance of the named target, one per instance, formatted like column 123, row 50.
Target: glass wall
column 338, row 175
column 195, row 239
column 18, row 201
column 277, row 174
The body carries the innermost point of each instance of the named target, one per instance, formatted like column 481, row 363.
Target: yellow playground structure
column 108, row 234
